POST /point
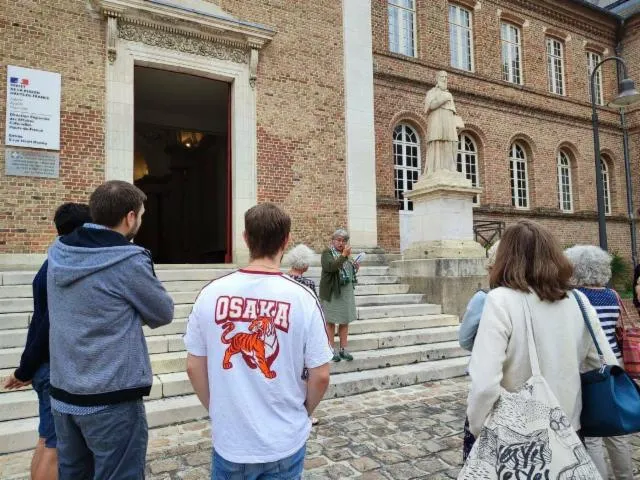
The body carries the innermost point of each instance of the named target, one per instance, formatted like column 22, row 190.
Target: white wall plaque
column 32, row 163
column 33, row 108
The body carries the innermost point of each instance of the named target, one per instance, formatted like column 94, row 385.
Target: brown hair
column 266, row 227
column 529, row 257
column 113, row 200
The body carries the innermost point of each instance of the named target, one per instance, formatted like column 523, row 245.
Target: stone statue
column 443, row 127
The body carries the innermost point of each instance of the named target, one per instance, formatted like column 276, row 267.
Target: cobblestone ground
column 407, row 433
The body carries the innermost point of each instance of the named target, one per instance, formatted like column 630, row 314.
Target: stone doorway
column 182, row 162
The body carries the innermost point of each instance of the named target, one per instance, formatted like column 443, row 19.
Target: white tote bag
column 528, row 436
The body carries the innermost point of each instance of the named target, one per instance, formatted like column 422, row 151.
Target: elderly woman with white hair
column 299, row 258
column 591, row 273
column 337, row 285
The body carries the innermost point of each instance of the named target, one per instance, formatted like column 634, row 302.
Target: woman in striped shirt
column 591, row 274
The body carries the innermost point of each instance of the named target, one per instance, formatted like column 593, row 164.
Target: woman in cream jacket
column 531, row 265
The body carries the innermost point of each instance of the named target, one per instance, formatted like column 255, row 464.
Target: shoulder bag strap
column 533, row 354
column 587, row 322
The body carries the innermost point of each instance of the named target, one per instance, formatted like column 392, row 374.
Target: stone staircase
column 398, row 340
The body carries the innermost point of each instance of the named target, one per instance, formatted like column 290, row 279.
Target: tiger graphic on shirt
column 259, row 347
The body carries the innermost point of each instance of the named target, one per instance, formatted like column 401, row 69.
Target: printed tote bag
column 527, row 435
column 629, row 339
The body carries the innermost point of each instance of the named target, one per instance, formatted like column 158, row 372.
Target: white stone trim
column 359, row 123
column 120, row 120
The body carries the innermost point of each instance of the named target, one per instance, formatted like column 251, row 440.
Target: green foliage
column 621, row 274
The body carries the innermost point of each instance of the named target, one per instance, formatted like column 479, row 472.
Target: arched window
column 406, row 158
column 467, row 160
column 519, row 180
column 606, row 187
column 565, row 197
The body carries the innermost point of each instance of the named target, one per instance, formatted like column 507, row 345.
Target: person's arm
column 317, row 385
column 199, row 377
column 317, row 355
column 147, row 294
column 471, row 321
column 196, row 345
column 331, row 265
column 487, row 361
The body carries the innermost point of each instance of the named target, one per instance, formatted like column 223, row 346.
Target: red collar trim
column 259, row 272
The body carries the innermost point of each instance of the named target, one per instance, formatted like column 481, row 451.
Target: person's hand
column 12, row 383
column 356, row 266
column 347, row 251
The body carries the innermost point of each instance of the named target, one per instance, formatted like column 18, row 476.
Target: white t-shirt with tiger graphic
column 259, row 332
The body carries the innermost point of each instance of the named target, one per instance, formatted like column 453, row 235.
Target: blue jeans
column 108, row 445
column 46, row 428
column 289, row 468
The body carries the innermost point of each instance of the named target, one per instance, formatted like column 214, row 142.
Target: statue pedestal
column 442, row 220
column 443, row 261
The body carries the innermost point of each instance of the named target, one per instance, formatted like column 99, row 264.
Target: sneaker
column 345, row 355
column 336, row 356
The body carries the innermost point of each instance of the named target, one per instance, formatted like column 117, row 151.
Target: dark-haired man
column 34, row 363
column 102, row 289
column 249, row 365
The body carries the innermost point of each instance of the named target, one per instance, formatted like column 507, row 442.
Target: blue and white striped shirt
column 605, row 302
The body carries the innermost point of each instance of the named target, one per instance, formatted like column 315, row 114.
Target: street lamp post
column 628, row 95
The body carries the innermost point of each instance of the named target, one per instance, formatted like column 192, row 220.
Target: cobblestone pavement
column 407, row 433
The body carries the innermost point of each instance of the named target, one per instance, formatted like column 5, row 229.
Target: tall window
column 460, row 38
column 606, row 186
column 510, row 37
column 555, row 66
column 592, row 60
column 402, row 21
column 565, row 198
column 406, row 158
column 467, row 160
column 519, row 181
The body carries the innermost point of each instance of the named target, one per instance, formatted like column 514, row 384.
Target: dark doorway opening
column 182, row 163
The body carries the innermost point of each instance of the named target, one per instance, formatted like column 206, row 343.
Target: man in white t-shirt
column 259, row 358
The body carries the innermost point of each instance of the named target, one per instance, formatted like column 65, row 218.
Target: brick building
column 211, row 107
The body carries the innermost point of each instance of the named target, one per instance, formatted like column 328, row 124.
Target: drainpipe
column 625, row 147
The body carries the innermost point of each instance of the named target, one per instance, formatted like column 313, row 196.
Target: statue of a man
column 443, row 125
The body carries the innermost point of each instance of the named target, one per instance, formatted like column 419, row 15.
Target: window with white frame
column 402, row 27
column 511, row 53
column 406, row 159
column 606, row 186
column 555, row 65
column 565, row 197
column 460, row 38
column 594, row 59
column 519, row 180
column 467, row 161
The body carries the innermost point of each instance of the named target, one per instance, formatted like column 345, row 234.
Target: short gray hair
column 299, row 257
column 591, row 265
column 341, row 233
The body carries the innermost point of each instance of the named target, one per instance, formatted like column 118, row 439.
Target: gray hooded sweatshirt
column 101, row 290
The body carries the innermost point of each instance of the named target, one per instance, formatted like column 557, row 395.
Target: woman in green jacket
column 337, row 285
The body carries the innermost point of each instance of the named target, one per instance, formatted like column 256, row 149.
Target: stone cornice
column 541, row 212
column 565, row 17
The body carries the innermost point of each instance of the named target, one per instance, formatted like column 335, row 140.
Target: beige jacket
column 501, row 357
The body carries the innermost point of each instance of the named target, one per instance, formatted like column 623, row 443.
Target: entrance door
column 182, row 163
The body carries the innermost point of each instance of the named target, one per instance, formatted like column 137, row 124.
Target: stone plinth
column 449, row 282
column 442, row 220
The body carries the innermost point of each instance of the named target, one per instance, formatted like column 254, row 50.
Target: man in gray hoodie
column 102, row 289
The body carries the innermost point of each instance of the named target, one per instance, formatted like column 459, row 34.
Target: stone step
column 172, row 361
column 388, row 311
column 15, row 305
column 14, row 320
column 16, row 291
column 179, row 326
column 398, row 299
column 395, row 377
column 21, row 434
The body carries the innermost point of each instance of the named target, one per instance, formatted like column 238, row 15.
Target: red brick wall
column 497, row 112
column 58, row 36
column 300, row 107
